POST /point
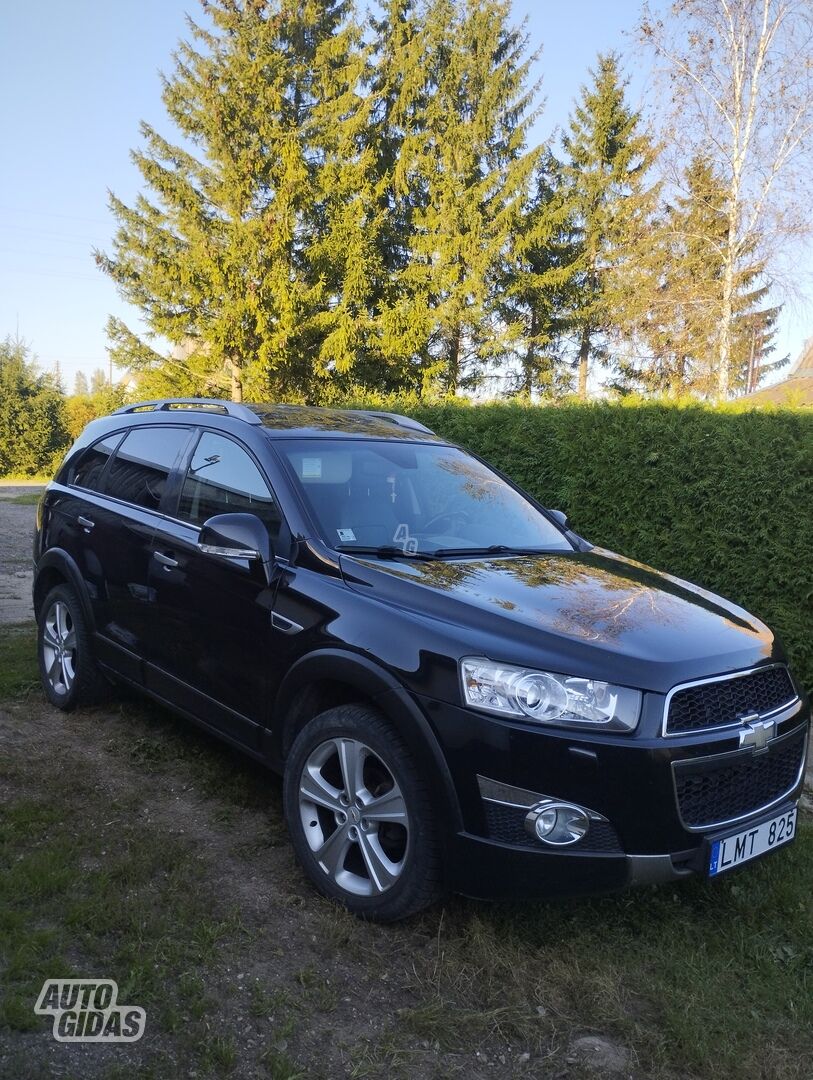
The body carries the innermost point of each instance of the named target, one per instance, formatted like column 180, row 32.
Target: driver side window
column 222, row 479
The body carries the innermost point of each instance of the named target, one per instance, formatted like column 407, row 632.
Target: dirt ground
column 16, row 534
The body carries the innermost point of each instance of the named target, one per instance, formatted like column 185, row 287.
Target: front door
column 212, row 634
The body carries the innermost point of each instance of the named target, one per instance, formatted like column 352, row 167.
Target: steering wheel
column 450, row 516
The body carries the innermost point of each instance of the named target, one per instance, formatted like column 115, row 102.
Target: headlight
column 547, row 697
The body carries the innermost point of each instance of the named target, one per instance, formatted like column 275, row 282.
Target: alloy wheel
column 59, row 647
column 354, row 816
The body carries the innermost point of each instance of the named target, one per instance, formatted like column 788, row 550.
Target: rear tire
column 360, row 815
column 68, row 671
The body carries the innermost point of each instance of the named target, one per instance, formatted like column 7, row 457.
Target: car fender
column 381, row 686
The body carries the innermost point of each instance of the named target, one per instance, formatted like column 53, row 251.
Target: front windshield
column 416, row 498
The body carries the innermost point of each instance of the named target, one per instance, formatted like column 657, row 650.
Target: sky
column 75, row 81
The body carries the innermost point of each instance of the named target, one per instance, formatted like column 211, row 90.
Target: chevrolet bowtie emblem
column 756, row 733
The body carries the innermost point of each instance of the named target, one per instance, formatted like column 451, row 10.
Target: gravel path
column 16, row 533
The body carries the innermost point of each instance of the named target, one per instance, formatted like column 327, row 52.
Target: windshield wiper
column 386, row 551
column 494, row 549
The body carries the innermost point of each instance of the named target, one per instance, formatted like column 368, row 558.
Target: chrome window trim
column 145, row 510
column 716, row 679
column 737, row 754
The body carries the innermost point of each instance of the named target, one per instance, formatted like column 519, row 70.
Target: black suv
column 459, row 691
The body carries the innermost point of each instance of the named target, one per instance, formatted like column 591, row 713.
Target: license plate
column 734, row 850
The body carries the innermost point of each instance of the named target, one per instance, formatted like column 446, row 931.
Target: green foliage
column 608, row 157
column 80, row 409
column 33, row 432
column 720, row 496
column 249, row 252
column 535, row 287
column 472, row 173
column 341, row 203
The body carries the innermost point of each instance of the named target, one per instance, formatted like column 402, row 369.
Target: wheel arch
column 56, row 567
column 331, row 677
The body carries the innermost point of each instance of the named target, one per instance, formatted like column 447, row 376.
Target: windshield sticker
column 311, row 468
column 346, row 534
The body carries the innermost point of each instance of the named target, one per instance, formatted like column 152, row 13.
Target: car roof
column 291, row 421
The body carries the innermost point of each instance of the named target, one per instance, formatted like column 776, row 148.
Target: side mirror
column 559, row 516
column 237, row 536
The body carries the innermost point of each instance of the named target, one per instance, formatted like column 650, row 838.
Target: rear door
column 211, row 635
column 118, row 529
column 108, row 512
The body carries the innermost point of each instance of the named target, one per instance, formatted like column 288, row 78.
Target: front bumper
column 634, row 783
column 488, row 870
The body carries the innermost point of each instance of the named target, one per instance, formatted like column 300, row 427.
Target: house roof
column 795, row 389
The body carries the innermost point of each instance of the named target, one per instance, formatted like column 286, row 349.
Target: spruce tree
column 470, row 173
column 608, row 156
column 33, row 432
column 536, row 277
column 244, row 254
column 397, row 87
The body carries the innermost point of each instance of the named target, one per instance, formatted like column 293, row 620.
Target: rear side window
column 87, row 473
column 143, row 463
column 221, row 479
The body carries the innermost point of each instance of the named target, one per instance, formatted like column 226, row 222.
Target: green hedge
column 721, row 496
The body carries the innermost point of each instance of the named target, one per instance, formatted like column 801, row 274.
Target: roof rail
column 228, row 408
column 394, row 418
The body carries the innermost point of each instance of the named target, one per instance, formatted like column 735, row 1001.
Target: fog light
column 558, row 824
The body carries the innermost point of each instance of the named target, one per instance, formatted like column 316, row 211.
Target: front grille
column 712, row 791
column 715, row 704
column 507, row 825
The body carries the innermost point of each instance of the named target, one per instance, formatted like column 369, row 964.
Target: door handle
column 86, row 523
column 167, row 562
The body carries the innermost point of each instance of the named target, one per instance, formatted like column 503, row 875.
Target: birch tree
column 741, row 76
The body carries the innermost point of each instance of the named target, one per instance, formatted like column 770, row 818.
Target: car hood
column 608, row 615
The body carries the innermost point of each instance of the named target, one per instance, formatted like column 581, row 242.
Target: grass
column 712, row 981
column 20, row 478
column 18, row 660
column 29, row 498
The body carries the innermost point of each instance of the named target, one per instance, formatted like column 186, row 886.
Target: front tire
column 360, row 817
column 68, row 670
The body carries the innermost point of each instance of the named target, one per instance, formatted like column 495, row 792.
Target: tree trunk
column 584, row 361
column 528, row 369
column 726, row 315
column 236, row 381
column 529, row 361
column 453, row 361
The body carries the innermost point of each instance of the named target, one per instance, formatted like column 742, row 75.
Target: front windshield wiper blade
column 385, row 551
column 494, row 549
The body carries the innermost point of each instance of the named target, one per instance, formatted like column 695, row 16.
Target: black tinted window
column 223, row 479
column 88, row 471
column 142, row 464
